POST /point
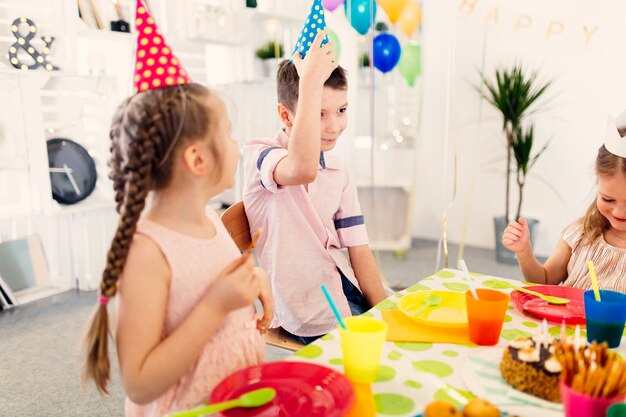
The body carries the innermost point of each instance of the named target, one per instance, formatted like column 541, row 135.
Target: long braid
column 117, row 158
column 142, row 130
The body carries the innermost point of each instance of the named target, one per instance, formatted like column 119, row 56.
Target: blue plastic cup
column 605, row 319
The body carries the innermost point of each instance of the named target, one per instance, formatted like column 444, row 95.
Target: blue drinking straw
column 333, row 307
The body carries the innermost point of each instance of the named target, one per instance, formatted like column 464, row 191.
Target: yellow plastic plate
column 452, row 312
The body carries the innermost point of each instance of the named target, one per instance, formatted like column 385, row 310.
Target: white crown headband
column 614, row 143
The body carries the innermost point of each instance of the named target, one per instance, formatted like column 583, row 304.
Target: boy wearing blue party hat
column 305, row 200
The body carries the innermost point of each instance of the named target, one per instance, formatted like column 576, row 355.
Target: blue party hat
column 314, row 23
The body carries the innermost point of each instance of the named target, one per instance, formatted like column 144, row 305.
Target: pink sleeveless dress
column 194, row 264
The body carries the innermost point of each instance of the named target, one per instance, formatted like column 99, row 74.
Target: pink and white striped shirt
column 304, row 229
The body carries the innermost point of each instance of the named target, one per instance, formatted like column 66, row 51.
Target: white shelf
column 295, row 20
column 404, row 184
column 84, row 206
column 36, row 293
column 12, row 212
column 401, row 244
column 18, row 165
column 106, row 35
column 14, row 72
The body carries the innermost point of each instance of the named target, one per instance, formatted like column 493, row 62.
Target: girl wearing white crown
column 600, row 236
column 185, row 314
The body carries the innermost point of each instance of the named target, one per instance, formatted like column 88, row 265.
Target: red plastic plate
column 572, row 312
column 302, row 390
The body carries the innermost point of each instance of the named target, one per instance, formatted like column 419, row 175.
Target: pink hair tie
column 103, row 299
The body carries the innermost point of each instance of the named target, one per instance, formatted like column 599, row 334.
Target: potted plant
column 270, row 54
column 513, row 94
column 381, row 27
column 364, row 67
column 522, row 147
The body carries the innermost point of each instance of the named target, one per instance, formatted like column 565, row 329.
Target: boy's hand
column 266, row 300
column 319, row 62
column 236, row 287
column 516, row 236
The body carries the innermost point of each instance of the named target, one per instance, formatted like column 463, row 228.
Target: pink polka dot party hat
column 156, row 66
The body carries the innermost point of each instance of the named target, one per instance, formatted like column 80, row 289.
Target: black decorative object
column 120, row 26
column 24, row 35
column 251, row 4
column 72, row 171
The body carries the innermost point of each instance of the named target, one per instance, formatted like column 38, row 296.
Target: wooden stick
column 255, row 238
column 622, row 381
column 595, row 371
column 85, row 14
column 612, row 380
column 600, row 379
column 96, row 14
column 118, row 9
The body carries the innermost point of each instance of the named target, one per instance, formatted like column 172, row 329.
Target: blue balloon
column 387, row 52
column 360, row 16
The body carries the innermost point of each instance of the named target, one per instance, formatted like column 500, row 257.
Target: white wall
column 578, row 45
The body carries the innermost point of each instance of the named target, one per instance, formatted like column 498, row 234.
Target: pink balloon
column 332, row 4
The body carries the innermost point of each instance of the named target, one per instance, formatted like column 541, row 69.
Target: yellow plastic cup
column 362, row 345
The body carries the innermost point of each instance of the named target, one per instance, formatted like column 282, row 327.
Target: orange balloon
column 393, row 8
column 410, row 19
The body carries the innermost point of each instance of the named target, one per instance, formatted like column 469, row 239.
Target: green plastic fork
column 549, row 298
column 254, row 398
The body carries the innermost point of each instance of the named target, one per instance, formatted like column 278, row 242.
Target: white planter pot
column 365, row 75
column 270, row 66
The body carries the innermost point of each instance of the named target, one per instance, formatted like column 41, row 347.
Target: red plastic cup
column 485, row 316
column 581, row 405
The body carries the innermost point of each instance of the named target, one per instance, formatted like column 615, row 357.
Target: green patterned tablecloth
column 413, row 374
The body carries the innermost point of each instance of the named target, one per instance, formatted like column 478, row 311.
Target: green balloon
column 411, row 63
column 334, row 39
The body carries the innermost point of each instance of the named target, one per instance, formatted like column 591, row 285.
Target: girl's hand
column 319, row 62
column 516, row 236
column 266, row 300
column 236, row 287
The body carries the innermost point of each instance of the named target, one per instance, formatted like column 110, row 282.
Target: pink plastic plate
column 572, row 312
column 302, row 390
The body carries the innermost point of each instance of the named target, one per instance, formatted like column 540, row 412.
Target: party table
column 414, row 374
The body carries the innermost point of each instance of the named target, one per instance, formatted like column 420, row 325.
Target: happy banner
column 503, row 15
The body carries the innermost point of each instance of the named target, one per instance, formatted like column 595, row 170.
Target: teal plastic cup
column 617, row 410
column 605, row 319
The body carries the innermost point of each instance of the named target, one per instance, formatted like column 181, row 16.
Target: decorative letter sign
column 39, row 59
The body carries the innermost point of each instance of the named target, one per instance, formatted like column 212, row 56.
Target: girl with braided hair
column 185, row 314
column 185, row 318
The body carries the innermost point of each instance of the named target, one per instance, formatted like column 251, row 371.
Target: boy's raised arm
column 300, row 165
